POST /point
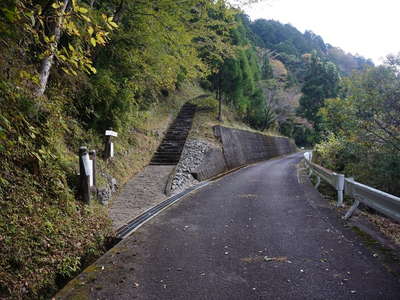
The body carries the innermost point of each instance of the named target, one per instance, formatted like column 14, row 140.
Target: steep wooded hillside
column 289, row 45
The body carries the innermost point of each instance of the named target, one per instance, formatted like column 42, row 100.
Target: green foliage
column 321, row 82
column 302, row 135
column 40, row 24
column 364, row 129
column 106, row 102
column 45, row 234
column 238, row 83
column 266, row 69
column 156, row 49
column 206, row 103
column 214, row 40
column 8, row 16
column 238, row 77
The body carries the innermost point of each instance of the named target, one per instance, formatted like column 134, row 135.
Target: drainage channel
column 127, row 230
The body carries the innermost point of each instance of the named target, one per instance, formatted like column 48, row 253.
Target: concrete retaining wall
column 240, row 147
column 243, row 147
column 212, row 165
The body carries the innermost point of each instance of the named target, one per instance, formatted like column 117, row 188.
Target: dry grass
column 389, row 228
column 206, row 118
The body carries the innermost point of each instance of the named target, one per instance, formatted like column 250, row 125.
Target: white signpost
column 109, row 146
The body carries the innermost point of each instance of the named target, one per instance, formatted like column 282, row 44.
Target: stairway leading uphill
column 170, row 149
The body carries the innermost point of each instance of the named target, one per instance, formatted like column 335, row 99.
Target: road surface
column 262, row 232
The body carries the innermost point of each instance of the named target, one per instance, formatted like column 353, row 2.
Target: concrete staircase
column 170, row 149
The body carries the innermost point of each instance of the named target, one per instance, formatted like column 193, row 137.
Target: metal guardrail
column 385, row 203
column 334, row 179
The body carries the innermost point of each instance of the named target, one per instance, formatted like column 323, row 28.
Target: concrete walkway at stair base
column 142, row 192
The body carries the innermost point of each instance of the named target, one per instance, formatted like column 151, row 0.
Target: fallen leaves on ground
column 253, row 259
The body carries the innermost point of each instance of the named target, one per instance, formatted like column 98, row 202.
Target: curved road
column 262, row 232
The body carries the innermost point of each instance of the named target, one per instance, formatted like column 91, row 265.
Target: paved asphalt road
column 213, row 244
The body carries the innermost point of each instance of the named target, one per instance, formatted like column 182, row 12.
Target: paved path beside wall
column 142, row 192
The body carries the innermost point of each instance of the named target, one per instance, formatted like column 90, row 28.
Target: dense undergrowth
column 45, row 233
column 362, row 128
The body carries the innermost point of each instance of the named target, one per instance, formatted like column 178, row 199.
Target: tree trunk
column 219, row 107
column 119, row 11
column 47, row 62
column 219, row 97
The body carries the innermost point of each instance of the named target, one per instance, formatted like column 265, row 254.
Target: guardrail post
column 84, row 177
column 307, row 156
column 340, row 188
column 318, row 182
column 381, row 201
column 352, row 209
column 349, row 192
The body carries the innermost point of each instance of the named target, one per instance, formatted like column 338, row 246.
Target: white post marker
column 91, row 172
column 109, row 146
column 88, row 164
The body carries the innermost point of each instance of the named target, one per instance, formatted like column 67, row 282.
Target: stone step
column 165, row 161
column 166, row 154
column 170, row 149
column 171, row 144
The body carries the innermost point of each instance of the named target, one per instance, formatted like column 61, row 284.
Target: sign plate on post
column 111, row 133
